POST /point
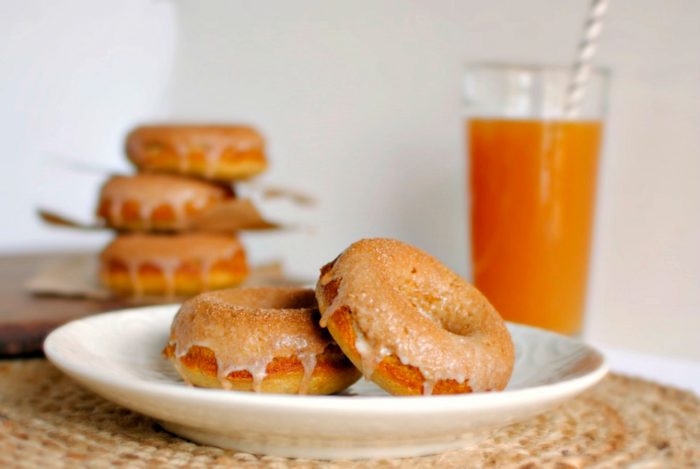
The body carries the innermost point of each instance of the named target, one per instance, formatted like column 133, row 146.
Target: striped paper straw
column 581, row 70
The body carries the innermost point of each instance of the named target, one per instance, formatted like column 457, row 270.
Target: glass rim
column 532, row 67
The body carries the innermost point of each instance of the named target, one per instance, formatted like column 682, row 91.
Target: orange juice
column 533, row 189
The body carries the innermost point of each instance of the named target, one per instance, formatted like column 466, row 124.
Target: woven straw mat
column 47, row 421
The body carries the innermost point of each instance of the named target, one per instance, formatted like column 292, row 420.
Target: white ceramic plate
column 118, row 355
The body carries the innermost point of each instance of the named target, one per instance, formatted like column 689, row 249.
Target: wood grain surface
column 26, row 319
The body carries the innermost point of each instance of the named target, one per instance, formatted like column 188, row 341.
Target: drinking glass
column 533, row 162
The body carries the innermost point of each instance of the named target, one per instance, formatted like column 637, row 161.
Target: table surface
column 679, row 373
column 25, row 319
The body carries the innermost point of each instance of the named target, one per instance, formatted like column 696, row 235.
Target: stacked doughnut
column 382, row 309
column 183, row 171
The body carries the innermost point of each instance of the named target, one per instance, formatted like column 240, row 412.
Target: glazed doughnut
column 211, row 151
column 410, row 324
column 257, row 339
column 158, row 202
column 151, row 264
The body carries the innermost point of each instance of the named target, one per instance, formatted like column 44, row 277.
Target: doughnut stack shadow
column 183, row 172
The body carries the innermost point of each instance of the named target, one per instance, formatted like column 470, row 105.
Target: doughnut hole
column 427, row 300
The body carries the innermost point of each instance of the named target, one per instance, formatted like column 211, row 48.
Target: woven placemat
column 46, row 420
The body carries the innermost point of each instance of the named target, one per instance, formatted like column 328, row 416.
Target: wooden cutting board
column 26, row 319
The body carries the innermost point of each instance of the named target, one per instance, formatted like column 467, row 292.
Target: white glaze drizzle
column 212, row 149
column 151, row 191
column 168, row 265
column 308, row 361
column 247, row 338
column 370, row 356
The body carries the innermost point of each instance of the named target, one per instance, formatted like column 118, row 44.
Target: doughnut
column 220, row 152
column 156, row 202
column 165, row 265
column 257, row 339
column 410, row 324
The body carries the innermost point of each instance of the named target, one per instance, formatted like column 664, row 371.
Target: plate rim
column 484, row 401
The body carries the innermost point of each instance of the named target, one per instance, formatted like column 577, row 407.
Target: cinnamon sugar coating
column 259, row 334
column 407, row 309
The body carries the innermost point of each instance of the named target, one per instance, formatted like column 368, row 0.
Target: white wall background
column 360, row 103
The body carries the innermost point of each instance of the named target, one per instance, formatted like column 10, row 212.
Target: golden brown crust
column 156, row 202
column 333, row 372
column 183, row 265
column 219, row 152
column 264, row 339
column 390, row 374
column 407, row 272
